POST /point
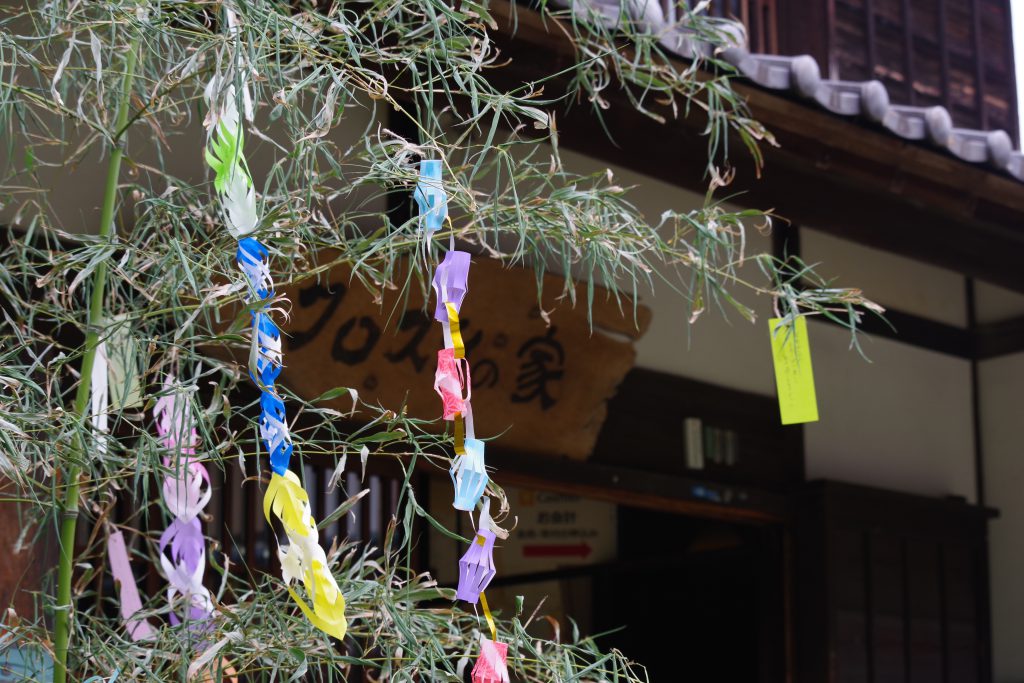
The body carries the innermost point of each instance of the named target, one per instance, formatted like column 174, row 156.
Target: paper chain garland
column 453, row 384
column 303, row 559
column 186, row 491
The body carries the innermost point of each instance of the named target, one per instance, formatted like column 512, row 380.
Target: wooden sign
column 544, row 381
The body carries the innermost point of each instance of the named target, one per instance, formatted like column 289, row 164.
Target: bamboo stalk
column 69, row 510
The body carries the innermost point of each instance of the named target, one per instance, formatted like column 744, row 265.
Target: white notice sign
column 556, row 530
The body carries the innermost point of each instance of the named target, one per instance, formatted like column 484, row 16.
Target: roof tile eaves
column 801, row 75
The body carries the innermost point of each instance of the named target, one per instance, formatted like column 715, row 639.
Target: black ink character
column 357, row 355
column 543, row 361
column 485, row 374
column 309, row 296
column 420, row 322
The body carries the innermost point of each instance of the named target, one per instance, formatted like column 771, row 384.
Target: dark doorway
column 694, row 599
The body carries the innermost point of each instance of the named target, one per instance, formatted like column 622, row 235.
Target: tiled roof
column 866, row 101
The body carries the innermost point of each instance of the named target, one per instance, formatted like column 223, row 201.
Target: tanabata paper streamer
column 431, row 197
column 476, row 568
column 303, row 559
column 231, row 175
column 453, row 334
column 99, row 398
column 794, row 377
column 186, row 492
column 453, row 384
column 128, row 591
column 491, row 664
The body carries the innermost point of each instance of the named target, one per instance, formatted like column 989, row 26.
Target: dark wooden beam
column 984, row 341
column 635, row 488
column 999, row 338
column 947, row 94
column 802, row 29
column 979, row 64
column 869, row 31
column 634, row 565
column 918, row 331
column 1011, row 66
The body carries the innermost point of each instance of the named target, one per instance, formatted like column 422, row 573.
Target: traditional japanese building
column 882, row 542
column 654, row 486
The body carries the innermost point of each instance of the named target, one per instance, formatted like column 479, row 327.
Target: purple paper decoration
column 185, row 567
column 469, row 475
column 476, row 568
column 186, row 491
column 450, row 283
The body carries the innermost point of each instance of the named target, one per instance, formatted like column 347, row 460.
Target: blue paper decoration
column 431, row 197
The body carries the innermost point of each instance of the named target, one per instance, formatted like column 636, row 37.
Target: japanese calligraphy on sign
column 545, row 382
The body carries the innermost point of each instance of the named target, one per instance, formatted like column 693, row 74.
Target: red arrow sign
column 578, row 550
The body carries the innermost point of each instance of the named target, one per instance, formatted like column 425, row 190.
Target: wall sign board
column 541, row 385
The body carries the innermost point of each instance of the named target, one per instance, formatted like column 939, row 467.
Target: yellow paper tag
column 453, row 325
column 794, row 378
column 460, row 435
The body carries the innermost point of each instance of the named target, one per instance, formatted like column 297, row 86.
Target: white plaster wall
column 993, row 303
column 901, row 421
column 907, row 285
column 1001, row 381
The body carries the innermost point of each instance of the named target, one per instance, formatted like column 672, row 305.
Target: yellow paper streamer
column 487, row 615
column 453, row 325
column 794, row 378
column 305, row 558
column 460, row 434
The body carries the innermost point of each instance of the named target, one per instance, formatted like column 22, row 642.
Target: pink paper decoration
column 449, row 380
column 476, row 568
column 491, row 665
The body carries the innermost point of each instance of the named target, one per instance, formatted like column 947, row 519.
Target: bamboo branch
column 69, row 512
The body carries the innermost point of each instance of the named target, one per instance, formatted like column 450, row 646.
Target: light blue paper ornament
column 431, row 197
column 469, row 476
